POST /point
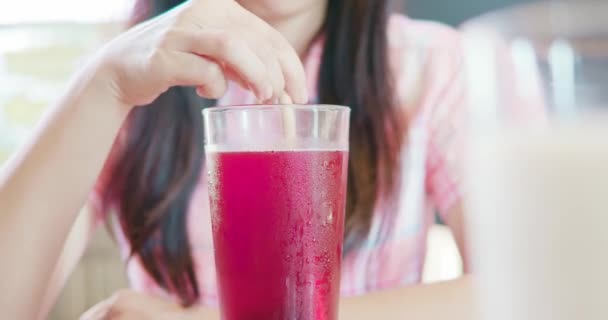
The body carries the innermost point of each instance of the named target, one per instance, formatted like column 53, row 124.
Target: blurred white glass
column 537, row 169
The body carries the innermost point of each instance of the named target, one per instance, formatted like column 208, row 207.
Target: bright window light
column 36, row 11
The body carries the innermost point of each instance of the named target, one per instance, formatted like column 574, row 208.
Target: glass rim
column 264, row 107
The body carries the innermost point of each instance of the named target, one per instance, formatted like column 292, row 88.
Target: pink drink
column 278, row 224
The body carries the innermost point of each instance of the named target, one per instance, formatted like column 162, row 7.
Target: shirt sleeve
column 446, row 110
column 429, row 82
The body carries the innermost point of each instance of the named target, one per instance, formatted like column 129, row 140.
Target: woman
column 400, row 77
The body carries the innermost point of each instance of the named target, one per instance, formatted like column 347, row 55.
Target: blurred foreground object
column 538, row 161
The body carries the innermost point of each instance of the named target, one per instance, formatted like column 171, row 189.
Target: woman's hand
column 130, row 305
column 202, row 43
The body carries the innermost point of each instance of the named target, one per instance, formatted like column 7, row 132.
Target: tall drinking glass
column 538, row 160
column 277, row 186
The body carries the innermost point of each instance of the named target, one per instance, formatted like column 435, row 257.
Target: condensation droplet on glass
column 330, row 217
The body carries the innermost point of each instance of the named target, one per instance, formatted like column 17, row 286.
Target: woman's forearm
column 44, row 186
column 449, row 300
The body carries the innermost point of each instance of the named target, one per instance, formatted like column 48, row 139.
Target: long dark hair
column 156, row 165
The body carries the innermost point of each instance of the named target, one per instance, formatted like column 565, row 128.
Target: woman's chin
column 277, row 9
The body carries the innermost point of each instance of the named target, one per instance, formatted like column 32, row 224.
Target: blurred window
column 37, row 11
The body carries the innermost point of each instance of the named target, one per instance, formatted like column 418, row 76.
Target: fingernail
column 265, row 93
column 201, row 92
column 272, row 100
column 268, row 91
column 285, row 99
column 302, row 98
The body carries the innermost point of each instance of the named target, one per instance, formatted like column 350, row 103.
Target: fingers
column 291, row 66
column 295, row 81
column 285, row 99
column 191, row 70
column 230, row 50
column 255, row 63
column 283, row 64
column 258, row 55
column 272, row 48
column 275, row 72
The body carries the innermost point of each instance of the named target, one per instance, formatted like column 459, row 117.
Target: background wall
column 454, row 12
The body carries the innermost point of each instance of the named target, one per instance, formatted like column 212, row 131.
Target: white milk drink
column 538, row 212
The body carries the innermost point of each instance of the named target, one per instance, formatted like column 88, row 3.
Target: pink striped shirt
column 426, row 60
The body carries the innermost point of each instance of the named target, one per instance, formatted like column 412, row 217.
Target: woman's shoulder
column 406, row 32
column 424, row 57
